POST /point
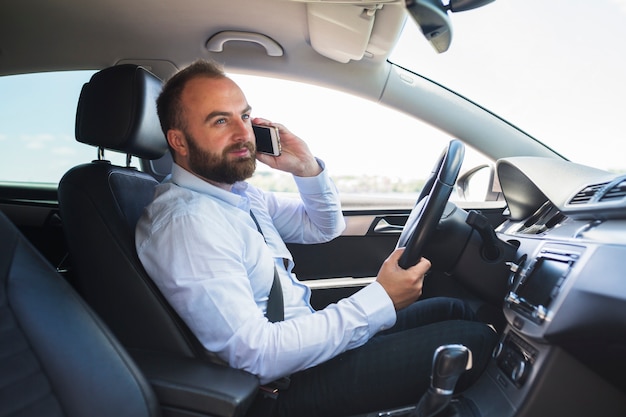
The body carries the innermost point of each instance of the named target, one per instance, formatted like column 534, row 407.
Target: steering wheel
column 430, row 204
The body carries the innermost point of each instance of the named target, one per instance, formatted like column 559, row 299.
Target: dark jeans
column 393, row 368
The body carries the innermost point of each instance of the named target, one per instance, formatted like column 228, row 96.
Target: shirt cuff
column 378, row 307
column 313, row 185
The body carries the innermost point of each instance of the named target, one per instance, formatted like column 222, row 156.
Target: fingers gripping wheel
column 431, row 203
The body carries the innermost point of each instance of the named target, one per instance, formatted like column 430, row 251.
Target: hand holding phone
column 296, row 159
column 267, row 139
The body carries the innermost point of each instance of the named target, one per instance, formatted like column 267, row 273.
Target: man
column 212, row 244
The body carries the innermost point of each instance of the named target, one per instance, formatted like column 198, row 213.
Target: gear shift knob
column 449, row 362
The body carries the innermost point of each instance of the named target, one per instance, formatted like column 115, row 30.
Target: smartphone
column 267, row 139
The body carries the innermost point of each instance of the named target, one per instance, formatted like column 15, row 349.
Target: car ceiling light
column 433, row 19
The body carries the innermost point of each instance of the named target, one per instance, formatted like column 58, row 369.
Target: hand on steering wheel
column 430, row 204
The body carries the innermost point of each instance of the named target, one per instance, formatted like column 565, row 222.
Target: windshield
column 555, row 69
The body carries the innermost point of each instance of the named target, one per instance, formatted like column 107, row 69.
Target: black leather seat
column 57, row 358
column 100, row 204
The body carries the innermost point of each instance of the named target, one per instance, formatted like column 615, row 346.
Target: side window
column 375, row 155
column 37, row 114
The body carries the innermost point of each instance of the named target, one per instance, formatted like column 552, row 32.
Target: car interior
column 84, row 331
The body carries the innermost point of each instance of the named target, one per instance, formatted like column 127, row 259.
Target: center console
column 528, row 375
column 536, row 287
column 555, row 294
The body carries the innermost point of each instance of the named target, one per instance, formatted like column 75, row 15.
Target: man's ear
column 177, row 141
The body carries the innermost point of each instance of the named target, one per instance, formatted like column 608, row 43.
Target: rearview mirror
column 433, row 19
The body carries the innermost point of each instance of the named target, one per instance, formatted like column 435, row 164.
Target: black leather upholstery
column 100, row 204
column 56, row 357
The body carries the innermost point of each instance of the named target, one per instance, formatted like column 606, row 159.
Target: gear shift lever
column 449, row 362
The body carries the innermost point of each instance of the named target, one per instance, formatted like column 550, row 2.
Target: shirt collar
column 237, row 197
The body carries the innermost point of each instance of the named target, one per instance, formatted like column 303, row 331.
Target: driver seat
column 100, row 204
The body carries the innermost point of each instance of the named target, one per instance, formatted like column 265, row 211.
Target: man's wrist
column 310, row 169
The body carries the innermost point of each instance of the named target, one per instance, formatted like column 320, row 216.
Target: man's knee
column 454, row 309
column 463, row 310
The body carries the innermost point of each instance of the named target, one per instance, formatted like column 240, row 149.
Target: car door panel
column 338, row 268
column 34, row 210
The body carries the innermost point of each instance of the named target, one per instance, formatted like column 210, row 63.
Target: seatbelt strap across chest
column 275, row 311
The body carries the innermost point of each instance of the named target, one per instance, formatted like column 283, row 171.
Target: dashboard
column 566, row 302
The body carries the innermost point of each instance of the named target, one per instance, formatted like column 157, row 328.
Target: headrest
column 117, row 110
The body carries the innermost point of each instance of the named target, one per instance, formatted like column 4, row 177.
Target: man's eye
column 246, row 117
column 220, row 121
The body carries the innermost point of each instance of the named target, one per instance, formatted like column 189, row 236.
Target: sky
column 554, row 68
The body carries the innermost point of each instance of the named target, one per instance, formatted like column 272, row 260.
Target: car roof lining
column 185, row 35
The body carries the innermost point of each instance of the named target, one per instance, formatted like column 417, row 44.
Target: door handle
column 383, row 226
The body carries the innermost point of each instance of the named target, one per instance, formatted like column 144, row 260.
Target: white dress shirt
column 200, row 245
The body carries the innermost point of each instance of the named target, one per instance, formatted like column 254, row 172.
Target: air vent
column 586, row 194
column 544, row 219
column 616, row 192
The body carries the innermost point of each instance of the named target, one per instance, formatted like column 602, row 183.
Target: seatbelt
column 265, row 402
column 275, row 311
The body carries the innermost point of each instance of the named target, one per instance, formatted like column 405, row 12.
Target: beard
column 217, row 167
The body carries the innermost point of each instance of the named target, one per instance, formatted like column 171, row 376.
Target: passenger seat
column 57, row 358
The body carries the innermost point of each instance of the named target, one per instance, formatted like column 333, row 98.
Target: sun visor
column 344, row 32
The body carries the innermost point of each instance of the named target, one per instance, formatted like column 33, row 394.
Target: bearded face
column 218, row 167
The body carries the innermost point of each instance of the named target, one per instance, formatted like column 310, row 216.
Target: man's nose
column 243, row 131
